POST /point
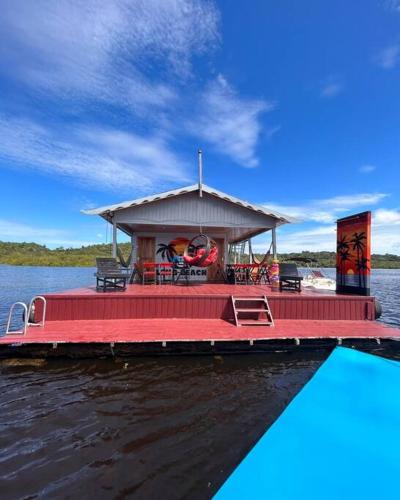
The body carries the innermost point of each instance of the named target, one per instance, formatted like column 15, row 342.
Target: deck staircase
column 252, row 311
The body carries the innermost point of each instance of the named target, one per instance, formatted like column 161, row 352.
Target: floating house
column 164, row 223
column 207, row 313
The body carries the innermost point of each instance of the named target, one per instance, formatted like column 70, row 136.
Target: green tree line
column 32, row 254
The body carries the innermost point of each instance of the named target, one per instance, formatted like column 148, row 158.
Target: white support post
column 226, row 250
column 133, row 248
column 274, row 251
column 114, row 241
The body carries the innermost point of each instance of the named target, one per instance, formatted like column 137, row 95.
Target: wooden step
column 253, row 322
column 239, row 309
column 264, row 309
column 251, row 299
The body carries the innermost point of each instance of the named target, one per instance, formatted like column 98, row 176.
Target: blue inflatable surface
column 338, row 439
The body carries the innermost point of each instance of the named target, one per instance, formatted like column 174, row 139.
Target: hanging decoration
column 201, row 251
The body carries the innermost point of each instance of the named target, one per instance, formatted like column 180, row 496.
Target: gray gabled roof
column 188, row 189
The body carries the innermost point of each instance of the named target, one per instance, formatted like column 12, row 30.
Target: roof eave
column 108, row 210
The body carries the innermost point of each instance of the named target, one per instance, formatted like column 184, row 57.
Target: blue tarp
column 338, row 439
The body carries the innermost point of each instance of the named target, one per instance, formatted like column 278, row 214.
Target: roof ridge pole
column 200, row 158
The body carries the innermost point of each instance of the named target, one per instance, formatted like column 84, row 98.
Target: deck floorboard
column 189, row 330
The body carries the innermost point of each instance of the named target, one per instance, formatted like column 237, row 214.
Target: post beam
column 274, row 250
column 114, row 240
column 133, row 248
column 200, row 158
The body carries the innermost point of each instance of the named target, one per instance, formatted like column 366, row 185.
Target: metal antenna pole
column 200, row 156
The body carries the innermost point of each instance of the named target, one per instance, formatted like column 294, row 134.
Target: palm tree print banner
column 353, row 254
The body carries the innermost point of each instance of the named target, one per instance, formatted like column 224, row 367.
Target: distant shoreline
column 32, row 254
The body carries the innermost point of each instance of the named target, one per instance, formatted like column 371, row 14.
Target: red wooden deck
column 198, row 313
column 208, row 301
column 201, row 330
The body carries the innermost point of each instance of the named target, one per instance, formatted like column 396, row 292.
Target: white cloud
column 366, row 169
column 385, row 236
column 353, row 200
column 19, row 232
column 382, row 217
column 331, row 87
column 271, row 131
column 319, row 238
column 331, row 90
column 133, row 55
column 393, row 5
column 105, row 50
column 388, row 57
column 100, row 157
column 229, row 122
column 327, row 210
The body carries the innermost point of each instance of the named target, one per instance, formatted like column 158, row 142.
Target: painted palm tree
column 362, row 267
column 343, row 244
column 167, row 251
column 344, row 256
column 358, row 245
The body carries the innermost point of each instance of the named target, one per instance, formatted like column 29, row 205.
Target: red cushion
column 193, row 261
column 211, row 258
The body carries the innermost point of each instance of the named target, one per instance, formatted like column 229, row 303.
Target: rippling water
column 174, row 426
column 170, row 426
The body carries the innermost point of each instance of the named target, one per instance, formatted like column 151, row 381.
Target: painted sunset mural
column 173, row 248
column 353, row 253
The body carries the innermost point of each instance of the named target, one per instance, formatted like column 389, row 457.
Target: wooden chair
column 109, row 275
column 149, row 273
column 180, row 270
column 241, row 274
column 289, row 278
column 165, row 273
column 263, row 274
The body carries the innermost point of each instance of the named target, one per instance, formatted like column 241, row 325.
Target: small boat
column 315, row 278
column 313, row 275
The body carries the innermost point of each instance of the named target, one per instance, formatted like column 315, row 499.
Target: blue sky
column 296, row 106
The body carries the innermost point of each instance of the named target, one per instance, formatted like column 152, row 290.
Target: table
column 247, row 274
column 158, row 272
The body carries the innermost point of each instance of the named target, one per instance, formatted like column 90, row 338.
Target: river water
column 140, row 427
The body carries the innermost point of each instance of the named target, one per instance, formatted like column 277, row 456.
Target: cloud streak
column 367, row 169
column 106, row 51
column 230, row 123
column 94, row 156
column 327, row 210
column 15, row 231
column 332, row 87
column 388, row 57
column 125, row 57
column 385, row 236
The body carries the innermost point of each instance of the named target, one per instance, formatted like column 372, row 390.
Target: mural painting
column 172, row 249
column 353, row 254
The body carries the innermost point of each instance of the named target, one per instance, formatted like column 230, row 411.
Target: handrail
column 26, row 320
column 32, row 309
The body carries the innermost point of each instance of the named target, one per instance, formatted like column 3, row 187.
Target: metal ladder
column 257, row 307
column 28, row 312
